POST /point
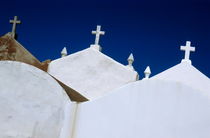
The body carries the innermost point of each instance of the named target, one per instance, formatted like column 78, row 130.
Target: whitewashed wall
column 32, row 103
column 146, row 109
column 187, row 74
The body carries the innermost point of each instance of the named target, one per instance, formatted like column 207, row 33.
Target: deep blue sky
column 152, row 30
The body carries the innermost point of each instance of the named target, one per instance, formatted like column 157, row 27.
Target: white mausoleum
column 90, row 72
column 90, row 95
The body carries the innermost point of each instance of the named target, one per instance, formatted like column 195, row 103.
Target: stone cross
column 187, row 50
column 14, row 22
column 98, row 32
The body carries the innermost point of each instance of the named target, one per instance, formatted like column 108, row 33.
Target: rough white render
column 146, row 109
column 33, row 104
column 187, row 74
column 91, row 73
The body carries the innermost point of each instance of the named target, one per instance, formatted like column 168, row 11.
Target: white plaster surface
column 91, row 73
column 32, row 103
column 146, row 109
column 187, row 74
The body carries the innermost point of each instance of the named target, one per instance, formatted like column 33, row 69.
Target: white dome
column 32, row 103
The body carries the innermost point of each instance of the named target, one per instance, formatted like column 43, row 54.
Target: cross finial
column 147, row 72
column 187, row 50
column 98, row 32
column 14, row 22
column 64, row 52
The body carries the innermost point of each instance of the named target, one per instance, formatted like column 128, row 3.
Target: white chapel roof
column 186, row 74
column 91, row 73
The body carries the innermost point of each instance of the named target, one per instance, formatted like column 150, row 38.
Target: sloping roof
column 10, row 49
column 186, row 74
column 91, row 73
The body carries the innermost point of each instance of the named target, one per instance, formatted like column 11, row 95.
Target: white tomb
column 172, row 104
column 33, row 104
column 91, row 73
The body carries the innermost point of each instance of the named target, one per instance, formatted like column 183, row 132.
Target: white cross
column 14, row 22
column 187, row 50
column 98, row 32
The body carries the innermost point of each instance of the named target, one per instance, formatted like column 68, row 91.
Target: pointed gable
column 187, row 74
column 91, row 73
